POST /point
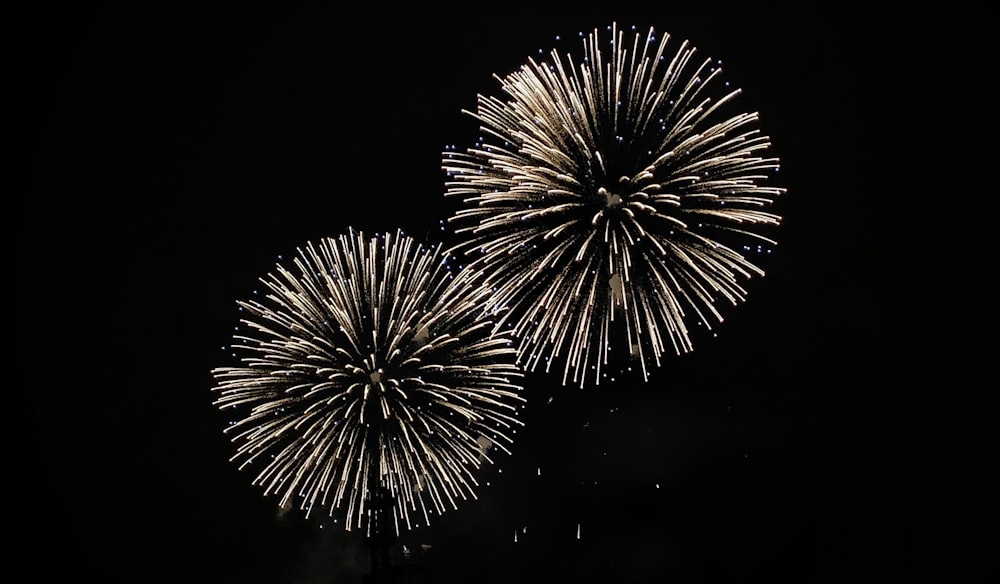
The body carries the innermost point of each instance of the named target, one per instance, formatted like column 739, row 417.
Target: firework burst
column 368, row 365
column 613, row 202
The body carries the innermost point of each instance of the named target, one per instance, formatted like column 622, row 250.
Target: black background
column 830, row 433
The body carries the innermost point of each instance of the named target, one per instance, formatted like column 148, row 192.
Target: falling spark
column 608, row 202
column 369, row 365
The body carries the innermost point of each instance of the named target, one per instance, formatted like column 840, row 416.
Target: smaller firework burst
column 368, row 365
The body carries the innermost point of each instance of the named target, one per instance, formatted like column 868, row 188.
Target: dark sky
column 830, row 433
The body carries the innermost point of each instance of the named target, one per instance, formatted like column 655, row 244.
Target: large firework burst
column 613, row 201
column 367, row 365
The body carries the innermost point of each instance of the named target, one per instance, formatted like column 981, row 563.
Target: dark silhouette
column 381, row 534
column 380, row 537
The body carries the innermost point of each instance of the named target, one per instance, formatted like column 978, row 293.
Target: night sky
column 830, row 432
